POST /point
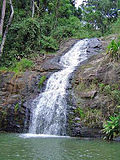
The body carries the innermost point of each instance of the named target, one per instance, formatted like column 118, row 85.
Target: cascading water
column 49, row 114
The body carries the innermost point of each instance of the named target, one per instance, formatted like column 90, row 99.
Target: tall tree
column 7, row 26
column 2, row 17
column 100, row 13
column 33, row 8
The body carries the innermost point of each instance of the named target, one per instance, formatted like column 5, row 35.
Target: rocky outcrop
column 95, row 94
column 15, row 90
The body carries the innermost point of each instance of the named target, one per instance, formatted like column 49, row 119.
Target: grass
column 18, row 67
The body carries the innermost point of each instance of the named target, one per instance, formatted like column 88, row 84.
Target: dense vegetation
column 38, row 27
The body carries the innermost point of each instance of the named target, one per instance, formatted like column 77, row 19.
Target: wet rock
column 94, row 45
column 77, row 119
column 90, row 132
column 17, row 89
column 50, row 65
column 89, row 94
column 117, row 139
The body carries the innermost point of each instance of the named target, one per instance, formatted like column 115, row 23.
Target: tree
column 100, row 13
column 4, row 34
column 33, row 8
column 2, row 17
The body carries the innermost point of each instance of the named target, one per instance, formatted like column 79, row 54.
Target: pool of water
column 16, row 147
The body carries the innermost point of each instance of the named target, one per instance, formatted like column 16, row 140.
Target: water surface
column 13, row 147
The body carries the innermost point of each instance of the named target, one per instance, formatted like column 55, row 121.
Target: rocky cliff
column 89, row 94
column 94, row 94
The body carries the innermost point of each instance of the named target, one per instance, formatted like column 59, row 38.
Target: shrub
column 42, row 79
column 16, row 108
column 112, row 127
column 111, row 90
column 48, row 43
column 93, row 118
column 101, row 86
column 116, row 96
column 114, row 50
column 21, row 66
column 80, row 112
column 116, row 26
column 107, row 89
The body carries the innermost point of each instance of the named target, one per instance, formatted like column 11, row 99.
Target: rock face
column 93, row 96
column 15, row 90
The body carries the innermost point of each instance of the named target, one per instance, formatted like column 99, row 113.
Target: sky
column 78, row 2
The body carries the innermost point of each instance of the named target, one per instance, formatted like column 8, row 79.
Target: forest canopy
column 38, row 26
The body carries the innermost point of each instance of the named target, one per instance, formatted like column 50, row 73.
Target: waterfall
column 49, row 111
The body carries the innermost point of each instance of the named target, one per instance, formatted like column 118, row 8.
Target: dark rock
column 117, row 139
column 17, row 88
column 94, row 45
column 89, row 94
column 50, row 65
column 90, row 132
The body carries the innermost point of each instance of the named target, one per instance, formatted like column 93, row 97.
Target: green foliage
column 107, row 89
column 54, row 21
column 80, row 112
column 42, row 80
column 49, row 44
column 100, row 14
column 115, row 27
column 2, row 69
column 24, row 36
column 18, row 67
column 112, row 127
column 101, row 86
column 21, row 66
column 4, row 114
column 16, row 107
column 112, row 91
column 114, row 50
column 116, row 96
column 90, row 117
column 93, row 118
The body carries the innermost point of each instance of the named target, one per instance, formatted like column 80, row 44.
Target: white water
column 30, row 135
column 49, row 115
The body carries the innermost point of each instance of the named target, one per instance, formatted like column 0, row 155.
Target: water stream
column 49, row 113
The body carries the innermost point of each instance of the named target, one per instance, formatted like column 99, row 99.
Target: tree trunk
column 6, row 29
column 2, row 17
column 38, row 3
column 56, row 13
column 33, row 8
